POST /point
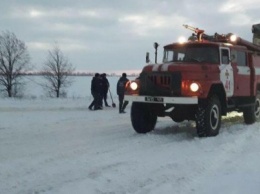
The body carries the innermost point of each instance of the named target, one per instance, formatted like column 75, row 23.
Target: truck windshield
column 192, row 54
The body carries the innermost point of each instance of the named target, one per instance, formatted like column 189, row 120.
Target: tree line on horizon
column 78, row 74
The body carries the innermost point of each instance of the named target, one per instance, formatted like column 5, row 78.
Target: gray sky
column 113, row 35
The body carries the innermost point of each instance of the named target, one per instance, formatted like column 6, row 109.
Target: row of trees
column 15, row 60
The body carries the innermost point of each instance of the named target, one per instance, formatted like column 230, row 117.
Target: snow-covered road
column 60, row 147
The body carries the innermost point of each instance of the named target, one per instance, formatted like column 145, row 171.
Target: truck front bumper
column 162, row 99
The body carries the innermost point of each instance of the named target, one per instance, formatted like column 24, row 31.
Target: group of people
column 99, row 90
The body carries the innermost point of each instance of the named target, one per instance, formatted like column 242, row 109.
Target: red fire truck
column 200, row 80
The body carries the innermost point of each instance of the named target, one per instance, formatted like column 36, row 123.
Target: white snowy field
column 58, row 146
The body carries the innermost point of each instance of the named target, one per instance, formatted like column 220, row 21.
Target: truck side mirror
column 147, row 58
column 155, row 45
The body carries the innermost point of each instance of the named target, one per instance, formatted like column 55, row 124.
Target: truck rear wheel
column 252, row 114
column 142, row 118
column 208, row 117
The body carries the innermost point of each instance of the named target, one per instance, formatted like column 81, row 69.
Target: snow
column 58, row 146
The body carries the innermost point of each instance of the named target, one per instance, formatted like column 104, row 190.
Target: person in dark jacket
column 96, row 91
column 121, row 92
column 105, row 87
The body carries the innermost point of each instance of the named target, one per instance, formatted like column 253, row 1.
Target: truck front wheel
column 142, row 118
column 208, row 117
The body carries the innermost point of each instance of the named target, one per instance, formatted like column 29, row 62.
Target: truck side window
column 224, row 56
column 241, row 58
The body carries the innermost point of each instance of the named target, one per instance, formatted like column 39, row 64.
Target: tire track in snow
column 229, row 152
column 72, row 156
column 205, row 167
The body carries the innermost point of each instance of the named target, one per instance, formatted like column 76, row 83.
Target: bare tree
column 57, row 70
column 14, row 59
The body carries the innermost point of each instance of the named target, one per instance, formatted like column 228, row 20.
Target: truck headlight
column 133, row 85
column 194, row 87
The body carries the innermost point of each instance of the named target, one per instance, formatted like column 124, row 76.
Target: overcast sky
column 114, row 35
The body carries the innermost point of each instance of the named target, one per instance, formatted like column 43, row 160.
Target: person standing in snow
column 105, row 87
column 96, row 91
column 121, row 84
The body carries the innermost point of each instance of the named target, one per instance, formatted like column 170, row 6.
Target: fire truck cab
column 201, row 80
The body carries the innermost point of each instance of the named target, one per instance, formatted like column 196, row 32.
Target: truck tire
column 252, row 114
column 142, row 118
column 208, row 117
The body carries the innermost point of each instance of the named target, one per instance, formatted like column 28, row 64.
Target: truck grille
column 161, row 84
column 163, row 80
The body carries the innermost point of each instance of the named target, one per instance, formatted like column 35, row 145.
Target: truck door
column 226, row 71
column 241, row 73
